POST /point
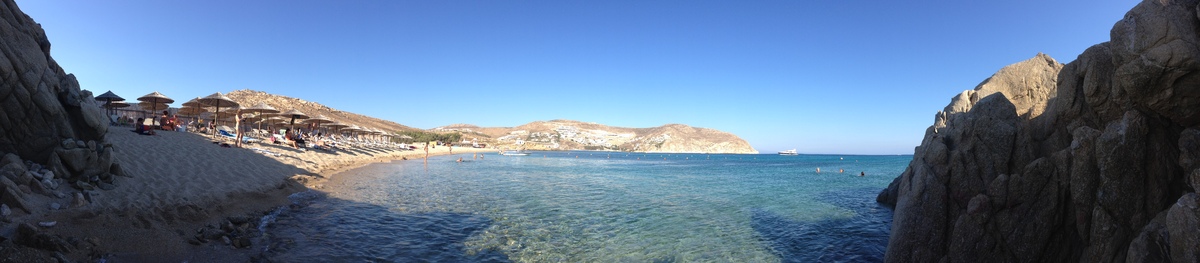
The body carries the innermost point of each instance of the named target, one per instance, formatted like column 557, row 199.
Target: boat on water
column 788, row 152
column 514, row 153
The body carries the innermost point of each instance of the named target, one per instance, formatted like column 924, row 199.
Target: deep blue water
column 597, row 207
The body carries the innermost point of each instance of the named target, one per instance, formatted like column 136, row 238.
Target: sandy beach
column 176, row 183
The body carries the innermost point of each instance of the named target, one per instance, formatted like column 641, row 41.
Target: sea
column 586, row 206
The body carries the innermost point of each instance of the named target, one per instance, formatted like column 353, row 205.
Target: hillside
column 283, row 103
column 576, row 135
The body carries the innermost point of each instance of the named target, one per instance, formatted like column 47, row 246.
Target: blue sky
column 851, row 77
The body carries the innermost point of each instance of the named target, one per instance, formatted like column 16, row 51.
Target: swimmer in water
column 818, row 169
column 460, row 159
column 841, row 170
column 862, row 174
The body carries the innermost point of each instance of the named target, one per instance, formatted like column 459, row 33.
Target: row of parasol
column 217, row 102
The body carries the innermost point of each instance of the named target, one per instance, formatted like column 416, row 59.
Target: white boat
column 514, row 153
column 788, row 152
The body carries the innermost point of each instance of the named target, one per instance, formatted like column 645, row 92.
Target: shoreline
column 177, row 187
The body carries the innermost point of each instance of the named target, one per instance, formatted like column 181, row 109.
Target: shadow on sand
column 861, row 238
column 323, row 229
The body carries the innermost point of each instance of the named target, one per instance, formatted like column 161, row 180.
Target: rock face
column 1094, row 161
column 43, row 109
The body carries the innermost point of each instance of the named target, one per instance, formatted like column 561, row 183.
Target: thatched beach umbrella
column 352, row 129
column 194, row 103
column 116, row 104
column 260, row 108
column 152, row 106
column 294, row 115
column 155, row 98
column 108, row 98
column 218, row 100
column 336, row 125
column 271, row 121
column 318, row 120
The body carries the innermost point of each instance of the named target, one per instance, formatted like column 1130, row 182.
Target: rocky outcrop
column 679, row 138
column 1094, row 161
column 46, row 118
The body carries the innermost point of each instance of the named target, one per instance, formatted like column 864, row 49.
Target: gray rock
column 44, row 107
column 11, row 195
column 241, row 242
column 1194, row 179
column 1081, row 167
column 76, row 160
column 81, row 185
column 37, row 187
column 1189, row 148
column 1152, row 244
column 30, row 236
column 80, row 144
column 47, row 223
column 9, row 158
column 55, row 206
column 106, row 186
column 78, row 200
column 57, row 167
column 5, row 211
column 1182, row 220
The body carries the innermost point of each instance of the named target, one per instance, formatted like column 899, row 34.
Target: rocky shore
column 1097, row 160
column 74, row 189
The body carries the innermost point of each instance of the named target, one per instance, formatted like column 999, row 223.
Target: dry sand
column 178, row 182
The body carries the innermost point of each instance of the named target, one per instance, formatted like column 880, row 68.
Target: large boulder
column 1094, row 161
column 40, row 105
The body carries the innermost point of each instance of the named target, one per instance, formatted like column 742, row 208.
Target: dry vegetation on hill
column 283, row 103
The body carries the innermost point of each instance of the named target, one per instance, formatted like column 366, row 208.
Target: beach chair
column 227, row 135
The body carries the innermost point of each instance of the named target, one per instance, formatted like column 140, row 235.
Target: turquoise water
column 597, row 207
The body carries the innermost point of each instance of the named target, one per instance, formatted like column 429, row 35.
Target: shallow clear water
column 597, row 207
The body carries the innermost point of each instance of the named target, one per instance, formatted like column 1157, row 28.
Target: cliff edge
column 1093, row 161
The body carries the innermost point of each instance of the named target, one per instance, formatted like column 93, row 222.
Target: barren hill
column 284, row 103
column 576, row 135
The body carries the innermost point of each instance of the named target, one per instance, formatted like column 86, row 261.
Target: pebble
column 47, row 223
column 4, row 210
column 55, row 206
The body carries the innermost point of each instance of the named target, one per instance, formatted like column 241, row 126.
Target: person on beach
column 301, row 140
column 141, row 128
column 166, row 123
column 237, row 127
column 426, row 152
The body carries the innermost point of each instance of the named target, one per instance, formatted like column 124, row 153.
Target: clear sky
column 852, row 77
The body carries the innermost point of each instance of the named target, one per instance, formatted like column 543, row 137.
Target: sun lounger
column 227, row 135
